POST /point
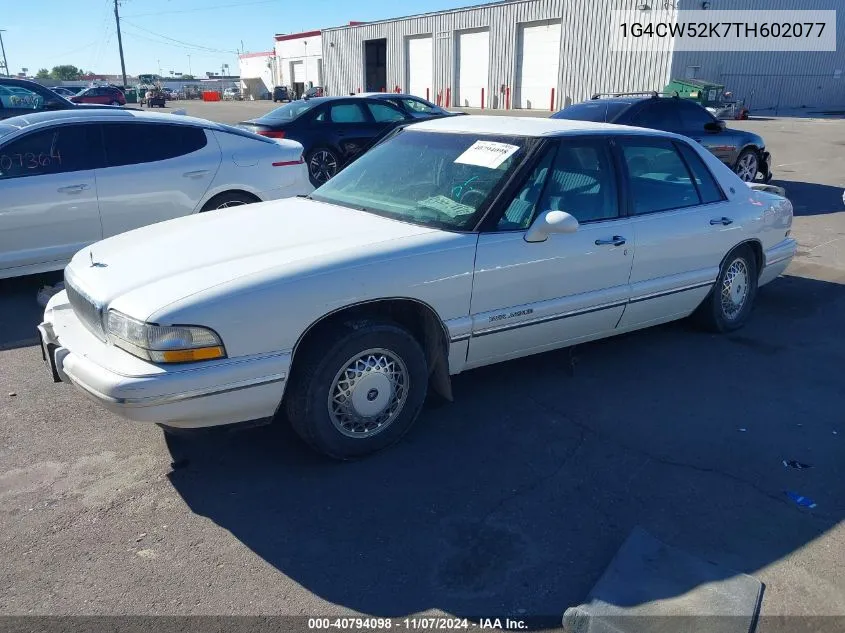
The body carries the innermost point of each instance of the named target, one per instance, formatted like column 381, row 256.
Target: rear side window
column 658, row 177
column 58, row 150
column 135, row 143
column 708, row 189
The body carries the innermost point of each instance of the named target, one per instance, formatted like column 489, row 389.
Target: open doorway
column 375, row 65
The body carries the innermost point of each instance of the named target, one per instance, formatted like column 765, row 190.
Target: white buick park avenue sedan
column 452, row 244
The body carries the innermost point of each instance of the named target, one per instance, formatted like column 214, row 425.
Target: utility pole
column 3, row 48
column 190, row 72
column 120, row 44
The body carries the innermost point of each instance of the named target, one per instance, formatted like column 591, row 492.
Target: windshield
column 598, row 111
column 288, row 112
column 436, row 179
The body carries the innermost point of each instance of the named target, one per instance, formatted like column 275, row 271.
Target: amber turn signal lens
column 190, row 355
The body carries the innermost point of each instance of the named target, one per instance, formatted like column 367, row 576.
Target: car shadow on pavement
column 19, row 309
column 512, row 500
column 809, row 198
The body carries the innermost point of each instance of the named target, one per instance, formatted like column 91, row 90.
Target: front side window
column 523, row 208
column 418, row 107
column 582, row 181
column 134, row 143
column 693, row 116
column 658, row 114
column 442, row 180
column 384, row 113
column 658, row 177
column 58, row 150
column 347, row 113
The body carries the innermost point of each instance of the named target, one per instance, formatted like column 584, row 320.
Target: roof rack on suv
column 651, row 93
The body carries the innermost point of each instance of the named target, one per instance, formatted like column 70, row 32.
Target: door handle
column 723, row 221
column 616, row 240
column 72, row 189
column 199, row 173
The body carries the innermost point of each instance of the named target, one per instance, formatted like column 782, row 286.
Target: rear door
column 350, row 125
column 154, row 172
column 48, row 197
column 683, row 225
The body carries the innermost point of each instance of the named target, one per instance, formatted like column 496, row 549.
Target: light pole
column 189, row 65
column 305, row 61
column 3, row 49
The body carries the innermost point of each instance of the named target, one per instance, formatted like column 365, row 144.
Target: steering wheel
column 458, row 190
column 469, row 193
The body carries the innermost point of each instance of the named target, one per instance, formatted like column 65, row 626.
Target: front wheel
column 323, row 164
column 728, row 306
column 357, row 390
column 747, row 165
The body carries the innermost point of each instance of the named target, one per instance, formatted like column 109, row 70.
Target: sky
column 160, row 35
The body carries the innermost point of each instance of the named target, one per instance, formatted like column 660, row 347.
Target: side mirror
column 715, row 126
column 549, row 223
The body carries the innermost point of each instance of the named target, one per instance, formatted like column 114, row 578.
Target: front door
column 531, row 297
column 48, row 198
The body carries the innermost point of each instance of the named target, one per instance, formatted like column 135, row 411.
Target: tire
column 747, row 165
column 229, row 199
column 738, row 275
column 323, row 164
column 348, row 432
column 115, row 103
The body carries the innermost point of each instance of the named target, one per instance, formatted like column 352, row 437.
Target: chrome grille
column 88, row 312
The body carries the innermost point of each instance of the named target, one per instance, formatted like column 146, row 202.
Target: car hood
column 142, row 271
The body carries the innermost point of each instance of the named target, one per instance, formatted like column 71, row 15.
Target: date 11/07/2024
column 416, row 624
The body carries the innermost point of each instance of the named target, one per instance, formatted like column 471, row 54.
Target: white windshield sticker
column 487, row 154
column 447, row 205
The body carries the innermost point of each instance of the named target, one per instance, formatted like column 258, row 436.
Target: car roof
column 526, row 126
column 82, row 115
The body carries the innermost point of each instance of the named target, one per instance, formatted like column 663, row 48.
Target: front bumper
column 192, row 395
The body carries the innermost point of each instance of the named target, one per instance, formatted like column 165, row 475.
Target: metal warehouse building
column 546, row 54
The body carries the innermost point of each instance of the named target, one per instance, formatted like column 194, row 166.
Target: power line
column 197, row 10
column 208, row 54
column 181, row 42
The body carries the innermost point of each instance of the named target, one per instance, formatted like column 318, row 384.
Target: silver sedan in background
column 70, row 178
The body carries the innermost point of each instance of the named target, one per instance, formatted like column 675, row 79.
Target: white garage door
column 420, row 72
column 297, row 71
column 538, row 62
column 473, row 53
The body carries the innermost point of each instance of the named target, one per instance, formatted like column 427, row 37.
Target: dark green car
column 744, row 152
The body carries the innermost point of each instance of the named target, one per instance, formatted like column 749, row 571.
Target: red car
column 107, row 95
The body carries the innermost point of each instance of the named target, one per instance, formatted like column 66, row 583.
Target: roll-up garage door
column 538, row 61
column 473, row 53
column 420, row 69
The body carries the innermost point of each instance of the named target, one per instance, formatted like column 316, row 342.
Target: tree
column 65, row 73
column 187, row 77
column 43, row 74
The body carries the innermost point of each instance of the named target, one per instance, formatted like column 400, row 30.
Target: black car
column 280, row 93
column 744, row 152
column 21, row 96
column 333, row 130
column 414, row 106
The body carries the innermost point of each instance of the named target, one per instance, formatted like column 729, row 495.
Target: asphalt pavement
column 510, row 501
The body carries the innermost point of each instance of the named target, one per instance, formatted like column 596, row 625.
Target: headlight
column 163, row 344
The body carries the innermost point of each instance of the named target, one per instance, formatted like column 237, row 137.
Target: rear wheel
column 357, row 390
column 747, row 165
column 323, row 164
column 115, row 103
column 230, row 199
column 729, row 304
